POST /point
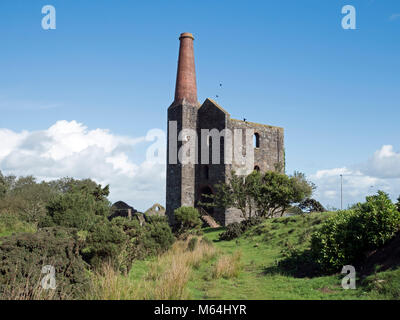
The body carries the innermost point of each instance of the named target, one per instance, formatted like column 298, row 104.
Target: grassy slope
column 261, row 247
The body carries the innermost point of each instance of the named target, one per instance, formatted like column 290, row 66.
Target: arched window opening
column 257, row 168
column 256, row 140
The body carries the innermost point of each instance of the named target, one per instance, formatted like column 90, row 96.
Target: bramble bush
column 346, row 237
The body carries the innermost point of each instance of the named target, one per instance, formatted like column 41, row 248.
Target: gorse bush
column 157, row 236
column 187, row 218
column 346, row 237
column 22, row 257
column 104, row 243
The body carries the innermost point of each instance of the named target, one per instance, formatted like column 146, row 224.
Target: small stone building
column 187, row 182
column 155, row 210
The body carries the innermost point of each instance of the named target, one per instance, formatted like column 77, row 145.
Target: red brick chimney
column 186, row 89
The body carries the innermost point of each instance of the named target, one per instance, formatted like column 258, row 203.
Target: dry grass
column 228, row 266
column 30, row 290
column 166, row 278
column 108, row 284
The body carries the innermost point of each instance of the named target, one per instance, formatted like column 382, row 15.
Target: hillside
column 260, row 276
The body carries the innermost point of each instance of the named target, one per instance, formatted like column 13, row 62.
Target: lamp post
column 341, row 192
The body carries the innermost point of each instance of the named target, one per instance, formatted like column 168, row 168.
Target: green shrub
column 144, row 241
column 192, row 244
column 104, row 244
column 75, row 209
column 233, row 230
column 236, row 229
column 251, row 222
column 345, row 238
column 22, row 257
column 157, row 237
column 187, row 218
column 10, row 223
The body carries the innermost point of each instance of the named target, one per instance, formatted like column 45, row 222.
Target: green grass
column 261, row 248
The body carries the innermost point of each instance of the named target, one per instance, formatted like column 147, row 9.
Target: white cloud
column 385, row 163
column 380, row 172
column 70, row 149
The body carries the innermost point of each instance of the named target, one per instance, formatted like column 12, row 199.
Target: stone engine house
column 187, row 182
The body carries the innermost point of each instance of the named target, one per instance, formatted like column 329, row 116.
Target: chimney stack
column 185, row 89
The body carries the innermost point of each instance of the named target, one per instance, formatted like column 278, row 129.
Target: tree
column 237, row 193
column 398, row 203
column 24, row 197
column 82, row 205
column 278, row 191
column 311, row 205
column 3, row 186
column 265, row 195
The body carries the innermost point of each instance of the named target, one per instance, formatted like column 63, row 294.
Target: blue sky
column 112, row 65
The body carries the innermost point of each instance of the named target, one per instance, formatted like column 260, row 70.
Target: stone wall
column 180, row 177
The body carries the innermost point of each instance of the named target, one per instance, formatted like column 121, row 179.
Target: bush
column 22, row 257
column 233, row 230
column 104, row 243
column 251, row 222
column 10, row 223
column 152, row 238
column 157, row 237
column 187, row 218
column 236, row 229
column 192, row 244
column 347, row 236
